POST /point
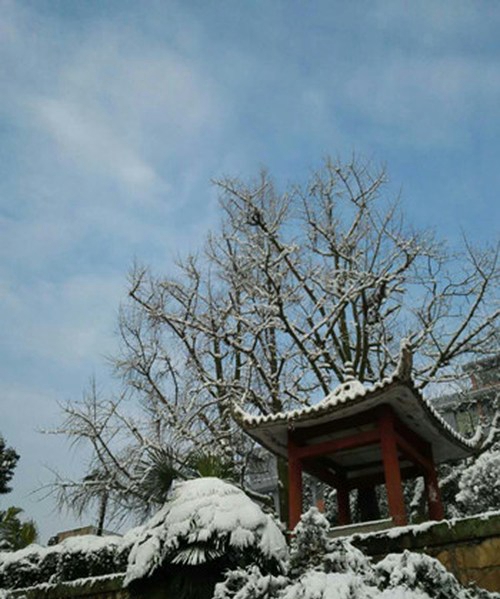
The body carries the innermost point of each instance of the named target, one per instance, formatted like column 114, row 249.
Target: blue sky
column 115, row 115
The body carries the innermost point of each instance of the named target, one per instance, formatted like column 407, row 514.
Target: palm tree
column 15, row 534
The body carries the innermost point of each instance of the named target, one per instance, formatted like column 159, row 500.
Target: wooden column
column 344, row 509
column 294, row 485
column 392, row 472
column 436, row 510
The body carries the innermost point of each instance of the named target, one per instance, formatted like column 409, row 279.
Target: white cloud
column 115, row 109
column 92, row 144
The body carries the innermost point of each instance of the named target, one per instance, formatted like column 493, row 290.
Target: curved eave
column 413, row 409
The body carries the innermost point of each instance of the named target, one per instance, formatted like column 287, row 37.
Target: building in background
column 463, row 410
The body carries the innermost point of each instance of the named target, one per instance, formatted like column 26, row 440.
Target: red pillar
column 294, row 486
column 392, row 472
column 436, row 510
column 344, row 510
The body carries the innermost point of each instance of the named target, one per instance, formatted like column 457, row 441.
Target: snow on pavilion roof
column 351, row 398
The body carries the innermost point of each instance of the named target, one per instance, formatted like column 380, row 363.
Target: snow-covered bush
column 334, row 569
column 479, row 483
column 424, row 576
column 316, row 584
column 312, row 547
column 398, row 576
column 207, row 527
column 76, row 557
column 310, row 541
column 250, row 583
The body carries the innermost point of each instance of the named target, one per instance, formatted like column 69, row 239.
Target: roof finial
column 348, row 371
column 405, row 362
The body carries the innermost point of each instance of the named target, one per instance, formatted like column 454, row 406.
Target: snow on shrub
column 398, row 576
column 328, row 585
column 423, row 574
column 479, row 484
column 206, row 519
column 310, row 541
column 312, row 546
column 249, row 583
column 75, row 557
column 321, row 568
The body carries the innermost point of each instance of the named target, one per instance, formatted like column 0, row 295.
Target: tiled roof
column 353, row 397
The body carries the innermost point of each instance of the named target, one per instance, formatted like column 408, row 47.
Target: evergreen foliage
column 310, row 541
column 8, row 461
column 479, row 483
column 14, row 533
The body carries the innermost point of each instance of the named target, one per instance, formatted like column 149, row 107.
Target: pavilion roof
column 353, row 398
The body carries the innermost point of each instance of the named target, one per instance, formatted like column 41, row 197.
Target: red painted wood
column 369, row 480
column 420, row 444
column 303, row 435
column 412, row 453
column 392, row 434
column 392, row 470
column 351, row 442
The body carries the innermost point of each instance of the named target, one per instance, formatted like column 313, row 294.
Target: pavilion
column 358, row 437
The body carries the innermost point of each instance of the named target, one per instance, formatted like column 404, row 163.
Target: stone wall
column 467, row 547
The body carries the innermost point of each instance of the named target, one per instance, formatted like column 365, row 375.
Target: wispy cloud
column 93, row 145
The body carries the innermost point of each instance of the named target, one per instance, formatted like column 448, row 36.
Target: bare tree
column 291, row 287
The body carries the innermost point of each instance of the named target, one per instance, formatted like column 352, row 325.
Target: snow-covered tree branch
column 292, row 285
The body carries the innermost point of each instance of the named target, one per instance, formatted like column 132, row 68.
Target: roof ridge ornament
column 349, row 374
column 349, row 388
column 404, row 367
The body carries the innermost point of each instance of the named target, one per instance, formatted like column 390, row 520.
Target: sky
column 116, row 115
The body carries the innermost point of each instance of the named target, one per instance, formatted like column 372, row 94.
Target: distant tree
column 8, row 461
column 14, row 533
column 290, row 287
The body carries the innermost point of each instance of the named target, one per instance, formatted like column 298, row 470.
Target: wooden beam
column 423, row 446
column 371, row 464
column 351, row 442
column 413, row 454
column 302, row 435
column 378, row 478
